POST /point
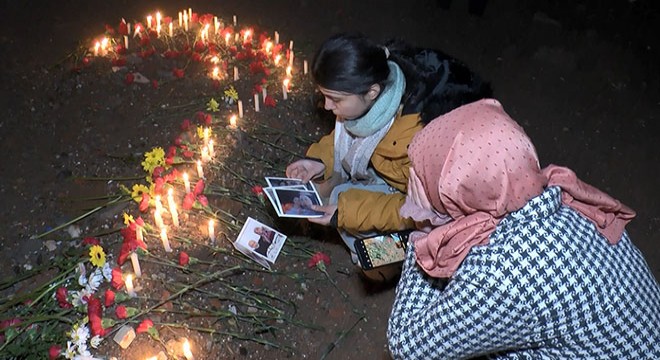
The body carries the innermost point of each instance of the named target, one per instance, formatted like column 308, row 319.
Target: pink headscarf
column 477, row 165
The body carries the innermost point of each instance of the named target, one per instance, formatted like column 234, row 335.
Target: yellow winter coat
column 365, row 211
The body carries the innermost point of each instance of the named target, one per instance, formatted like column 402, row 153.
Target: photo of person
column 284, row 182
column 298, row 203
column 260, row 242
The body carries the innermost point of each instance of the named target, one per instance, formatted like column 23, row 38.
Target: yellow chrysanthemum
column 231, row 95
column 128, row 219
column 153, row 159
column 213, row 105
column 97, row 256
column 138, row 190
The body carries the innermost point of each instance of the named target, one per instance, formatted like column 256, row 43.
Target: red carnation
column 188, row 154
column 258, row 190
column 270, row 101
column 178, row 73
column 54, row 352
column 158, row 171
column 319, row 260
column 94, row 315
column 130, row 78
column 196, row 57
column 186, row 124
column 60, row 296
column 188, row 201
column 121, row 312
column 129, row 244
column 154, row 84
column 199, row 187
column 184, row 259
column 144, row 326
column 144, row 203
column 203, row 200
column 172, row 176
column 159, row 184
column 109, row 298
column 117, row 278
column 119, row 62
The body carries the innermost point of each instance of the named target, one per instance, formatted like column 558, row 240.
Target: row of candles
column 207, row 154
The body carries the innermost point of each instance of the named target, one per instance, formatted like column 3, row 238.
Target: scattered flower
column 121, row 313
column 319, row 260
column 213, row 105
column 54, row 352
column 61, row 297
column 109, row 298
column 117, row 278
column 95, row 341
column 97, row 256
column 184, row 259
column 144, row 326
column 91, row 241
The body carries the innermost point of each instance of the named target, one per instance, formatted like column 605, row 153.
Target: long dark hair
column 435, row 82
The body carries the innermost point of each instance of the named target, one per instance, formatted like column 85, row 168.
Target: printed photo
column 260, row 242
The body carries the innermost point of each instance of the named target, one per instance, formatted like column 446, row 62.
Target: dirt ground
column 581, row 77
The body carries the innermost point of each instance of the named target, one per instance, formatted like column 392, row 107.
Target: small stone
column 51, row 245
column 124, row 336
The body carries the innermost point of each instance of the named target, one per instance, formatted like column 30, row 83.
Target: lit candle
column 288, row 71
column 171, row 28
column 149, row 21
column 290, row 58
column 158, row 217
column 185, row 21
column 136, row 264
column 206, row 135
column 97, row 46
column 212, row 231
column 232, row 122
column 285, row 88
column 104, row 45
column 305, row 67
column 234, row 20
column 240, row 109
column 256, row 102
column 200, row 171
column 215, row 74
column 126, row 42
column 205, row 154
column 180, row 19
column 165, row 240
column 159, row 204
column 190, row 14
column 246, row 35
column 158, row 19
column 227, row 36
column 277, row 59
column 216, row 24
column 277, row 37
column 138, row 233
column 264, row 93
column 128, row 28
column 129, row 285
column 186, row 182
column 291, row 45
column 235, row 73
column 186, row 350
column 211, row 149
column 172, row 205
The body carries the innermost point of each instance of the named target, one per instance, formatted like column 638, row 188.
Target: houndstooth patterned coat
column 548, row 286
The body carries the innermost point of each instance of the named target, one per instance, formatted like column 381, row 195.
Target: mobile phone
column 382, row 250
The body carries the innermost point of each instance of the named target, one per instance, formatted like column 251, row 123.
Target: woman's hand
column 324, row 220
column 305, row 169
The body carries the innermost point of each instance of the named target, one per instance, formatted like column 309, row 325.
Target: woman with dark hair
column 523, row 262
column 381, row 96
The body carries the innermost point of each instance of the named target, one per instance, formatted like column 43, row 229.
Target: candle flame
column 186, row 350
column 286, row 83
column 232, row 121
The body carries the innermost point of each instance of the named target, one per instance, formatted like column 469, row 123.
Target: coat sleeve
column 324, row 150
column 366, row 211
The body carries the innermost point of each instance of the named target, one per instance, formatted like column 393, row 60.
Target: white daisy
column 82, row 279
column 96, row 341
column 95, row 280
column 107, row 271
column 79, row 335
column 70, row 351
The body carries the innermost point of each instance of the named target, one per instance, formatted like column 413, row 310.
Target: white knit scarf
column 356, row 141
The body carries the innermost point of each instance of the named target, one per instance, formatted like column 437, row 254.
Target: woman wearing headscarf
column 516, row 261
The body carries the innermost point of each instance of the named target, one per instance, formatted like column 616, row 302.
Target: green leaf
column 108, row 322
column 153, row 332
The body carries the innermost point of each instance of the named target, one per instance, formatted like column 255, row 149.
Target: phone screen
column 381, row 250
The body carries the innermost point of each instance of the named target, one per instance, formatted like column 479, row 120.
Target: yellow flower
column 231, row 95
column 153, row 159
column 128, row 219
column 200, row 131
column 138, row 190
column 213, row 105
column 97, row 256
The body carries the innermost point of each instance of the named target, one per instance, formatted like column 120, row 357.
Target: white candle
column 305, row 67
column 159, row 204
column 129, row 285
column 186, row 182
column 235, row 73
column 277, row 59
column 234, row 20
column 200, row 171
column 227, row 37
column 138, row 233
column 97, row 46
column 165, row 240
column 205, row 154
column 264, row 93
column 285, row 88
column 172, row 205
column 171, row 30
column 149, row 21
column 126, row 42
column 211, row 149
column 291, row 45
column 212, row 231
column 256, row 102
column 158, row 217
column 240, row 109
column 291, row 58
column 185, row 21
column 128, row 28
column 158, row 19
column 136, row 264
column 186, row 350
column 232, row 122
column 216, row 24
column 206, row 135
column 277, row 37
column 288, row 71
column 180, row 19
